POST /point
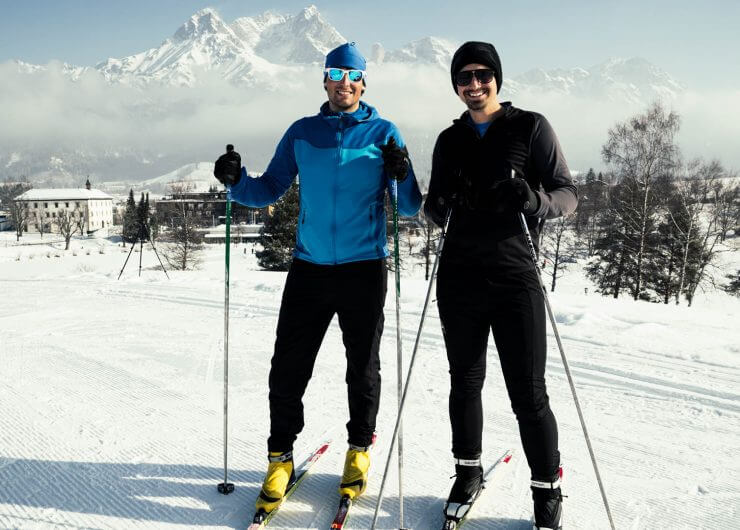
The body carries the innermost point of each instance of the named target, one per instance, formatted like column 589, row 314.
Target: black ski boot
column 468, row 485
column 548, row 503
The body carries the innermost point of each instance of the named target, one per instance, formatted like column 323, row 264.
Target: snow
column 111, row 401
column 50, row 194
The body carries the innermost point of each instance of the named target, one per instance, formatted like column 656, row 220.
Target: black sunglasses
column 465, row 77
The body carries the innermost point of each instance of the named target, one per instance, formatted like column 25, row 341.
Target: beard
column 479, row 103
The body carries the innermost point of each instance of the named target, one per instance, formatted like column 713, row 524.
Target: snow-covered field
column 111, row 402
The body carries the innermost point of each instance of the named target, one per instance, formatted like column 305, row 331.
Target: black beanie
column 476, row 52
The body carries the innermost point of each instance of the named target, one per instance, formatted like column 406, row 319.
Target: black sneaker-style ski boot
column 548, row 502
column 468, row 485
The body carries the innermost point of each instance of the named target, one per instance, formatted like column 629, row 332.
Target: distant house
column 92, row 209
column 5, row 222
column 208, row 207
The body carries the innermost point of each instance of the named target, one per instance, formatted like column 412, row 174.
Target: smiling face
column 479, row 97
column 344, row 95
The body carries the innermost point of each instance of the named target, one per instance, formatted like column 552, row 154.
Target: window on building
column 35, row 205
column 46, row 205
column 66, row 205
column 47, row 214
column 56, row 205
column 77, row 204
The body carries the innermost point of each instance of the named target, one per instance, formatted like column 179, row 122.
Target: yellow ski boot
column 280, row 475
column 356, row 467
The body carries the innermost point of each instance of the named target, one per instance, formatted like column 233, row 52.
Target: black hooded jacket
column 465, row 167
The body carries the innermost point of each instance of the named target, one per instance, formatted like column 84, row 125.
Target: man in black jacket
column 495, row 162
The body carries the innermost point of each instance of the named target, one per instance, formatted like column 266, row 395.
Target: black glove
column 395, row 160
column 228, row 167
column 514, row 195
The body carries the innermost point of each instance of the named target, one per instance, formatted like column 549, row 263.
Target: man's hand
column 228, row 167
column 395, row 160
column 514, row 195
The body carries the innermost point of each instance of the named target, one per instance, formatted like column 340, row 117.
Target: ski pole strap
column 282, row 457
column 467, row 462
column 546, row 485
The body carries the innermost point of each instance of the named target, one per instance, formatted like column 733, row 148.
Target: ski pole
column 533, row 255
column 226, row 487
column 411, row 365
column 399, row 350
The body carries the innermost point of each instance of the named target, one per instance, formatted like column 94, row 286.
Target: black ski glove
column 514, row 195
column 395, row 160
column 228, row 167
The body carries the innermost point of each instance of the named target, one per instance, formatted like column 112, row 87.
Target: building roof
column 62, row 194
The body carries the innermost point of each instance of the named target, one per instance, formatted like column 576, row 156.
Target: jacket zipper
column 334, row 190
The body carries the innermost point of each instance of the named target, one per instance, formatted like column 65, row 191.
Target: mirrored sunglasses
column 465, row 77
column 336, row 74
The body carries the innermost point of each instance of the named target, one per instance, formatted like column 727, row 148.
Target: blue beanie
column 347, row 55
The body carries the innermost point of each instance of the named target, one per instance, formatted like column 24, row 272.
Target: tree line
column 652, row 224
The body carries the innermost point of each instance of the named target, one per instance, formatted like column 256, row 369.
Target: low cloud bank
column 45, row 111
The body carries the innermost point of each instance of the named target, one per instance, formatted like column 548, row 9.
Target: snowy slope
column 197, row 176
column 111, row 402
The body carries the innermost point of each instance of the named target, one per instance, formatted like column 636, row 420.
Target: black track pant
column 355, row 292
column 512, row 306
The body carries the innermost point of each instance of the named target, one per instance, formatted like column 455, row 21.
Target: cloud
column 46, row 110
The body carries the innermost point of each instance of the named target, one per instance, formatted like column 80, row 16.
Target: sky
column 690, row 40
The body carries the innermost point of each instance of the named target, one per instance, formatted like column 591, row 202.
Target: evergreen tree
column 277, row 235
column 130, row 228
column 142, row 213
column 612, row 262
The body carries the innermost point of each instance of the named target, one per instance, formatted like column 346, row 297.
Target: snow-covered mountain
column 241, row 51
column 429, row 50
column 633, row 80
column 250, row 47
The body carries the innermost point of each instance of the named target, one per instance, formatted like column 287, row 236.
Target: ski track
column 110, row 478
column 585, row 371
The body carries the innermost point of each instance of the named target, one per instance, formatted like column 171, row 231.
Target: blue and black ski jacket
column 342, row 184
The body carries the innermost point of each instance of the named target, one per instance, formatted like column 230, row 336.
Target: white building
column 92, row 209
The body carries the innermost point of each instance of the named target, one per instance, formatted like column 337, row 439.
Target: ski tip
column 507, row 458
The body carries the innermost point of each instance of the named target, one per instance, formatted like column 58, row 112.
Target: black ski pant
column 313, row 294
column 470, row 303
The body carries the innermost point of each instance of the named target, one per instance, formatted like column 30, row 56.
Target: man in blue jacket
column 345, row 156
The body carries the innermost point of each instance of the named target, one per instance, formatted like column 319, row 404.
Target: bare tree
column 430, row 239
column 185, row 240
column 557, row 248
column 81, row 220
column 642, row 150
column 67, row 224
column 727, row 205
column 42, row 225
column 19, row 215
column 710, row 233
